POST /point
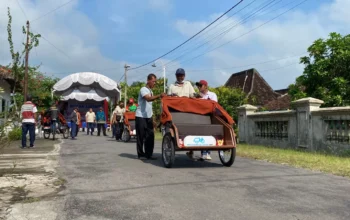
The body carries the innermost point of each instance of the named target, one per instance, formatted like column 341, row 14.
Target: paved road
column 106, row 181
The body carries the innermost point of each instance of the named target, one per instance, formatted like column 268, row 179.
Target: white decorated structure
column 86, row 90
column 87, row 85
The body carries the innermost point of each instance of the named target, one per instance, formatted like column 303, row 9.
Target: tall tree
column 17, row 64
column 326, row 74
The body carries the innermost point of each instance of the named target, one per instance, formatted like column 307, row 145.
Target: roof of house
column 5, row 73
column 282, row 91
column 281, row 103
column 253, row 84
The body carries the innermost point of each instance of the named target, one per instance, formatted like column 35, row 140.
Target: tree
column 17, row 65
column 230, row 99
column 326, row 74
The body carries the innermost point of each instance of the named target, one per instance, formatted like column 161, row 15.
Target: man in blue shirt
column 144, row 120
column 101, row 121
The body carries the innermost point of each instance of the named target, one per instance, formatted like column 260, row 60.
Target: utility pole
column 26, row 65
column 126, row 83
column 164, row 78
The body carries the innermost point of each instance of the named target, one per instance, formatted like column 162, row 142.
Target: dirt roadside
column 27, row 177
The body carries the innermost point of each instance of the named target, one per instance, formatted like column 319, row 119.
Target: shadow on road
column 181, row 161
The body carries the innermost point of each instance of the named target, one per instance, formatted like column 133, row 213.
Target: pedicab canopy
column 129, row 116
column 190, row 105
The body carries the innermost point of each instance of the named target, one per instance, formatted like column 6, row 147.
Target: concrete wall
column 307, row 126
column 6, row 95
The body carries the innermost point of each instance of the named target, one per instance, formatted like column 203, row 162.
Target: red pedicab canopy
column 191, row 105
column 129, row 116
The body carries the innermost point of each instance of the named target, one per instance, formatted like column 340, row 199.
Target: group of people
column 144, row 112
column 117, row 118
column 91, row 118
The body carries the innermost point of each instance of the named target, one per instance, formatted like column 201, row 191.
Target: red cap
column 202, row 82
column 131, row 100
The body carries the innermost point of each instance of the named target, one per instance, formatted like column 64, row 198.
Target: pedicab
column 129, row 130
column 196, row 124
column 62, row 127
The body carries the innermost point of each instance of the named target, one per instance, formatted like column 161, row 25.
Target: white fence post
column 304, row 121
column 243, row 122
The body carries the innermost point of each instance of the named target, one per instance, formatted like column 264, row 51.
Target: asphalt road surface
column 105, row 180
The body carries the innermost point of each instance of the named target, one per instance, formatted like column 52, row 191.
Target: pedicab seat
column 195, row 124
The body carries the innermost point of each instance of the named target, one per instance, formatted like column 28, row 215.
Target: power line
column 212, row 28
column 189, row 38
column 52, row 11
column 222, row 33
column 193, row 58
column 21, row 9
column 234, row 67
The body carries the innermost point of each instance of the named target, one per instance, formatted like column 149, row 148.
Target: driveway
column 106, row 181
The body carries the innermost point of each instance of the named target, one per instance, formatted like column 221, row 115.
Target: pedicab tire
column 231, row 160
column 126, row 135
column 46, row 135
column 65, row 133
column 168, row 139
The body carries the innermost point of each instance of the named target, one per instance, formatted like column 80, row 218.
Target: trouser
column 90, row 126
column 119, row 130
column 73, row 131
column 25, row 128
column 77, row 130
column 114, row 129
column 99, row 127
column 53, row 126
column 144, row 132
column 205, row 152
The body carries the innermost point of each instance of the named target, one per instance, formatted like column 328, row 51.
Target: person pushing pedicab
column 144, row 119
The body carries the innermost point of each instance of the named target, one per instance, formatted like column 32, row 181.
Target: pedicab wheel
column 168, row 150
column 126, row 135
column 46, row 134
column 65, row 133
column 227, row 157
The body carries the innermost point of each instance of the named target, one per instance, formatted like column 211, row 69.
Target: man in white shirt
column 90, row 119
column 204, row 93
column 118, row 120
column 181, row 88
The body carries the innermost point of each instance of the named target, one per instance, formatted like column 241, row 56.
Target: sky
column 103, row 35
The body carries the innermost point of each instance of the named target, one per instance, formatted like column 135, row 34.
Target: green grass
column 158, row 136
column 301, row 159
column 314, row 161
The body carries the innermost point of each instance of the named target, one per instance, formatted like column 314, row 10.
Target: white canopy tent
column 87, row 85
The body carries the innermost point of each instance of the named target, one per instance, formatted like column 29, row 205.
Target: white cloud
column 67, row 29
column 161, row 5
column 289, row 35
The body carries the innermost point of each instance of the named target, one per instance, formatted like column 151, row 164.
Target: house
column 6, row 84
column 258, row 91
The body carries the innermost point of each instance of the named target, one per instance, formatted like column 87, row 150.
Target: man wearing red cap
column 202, row 86
column 204, row 93
column 132, row 106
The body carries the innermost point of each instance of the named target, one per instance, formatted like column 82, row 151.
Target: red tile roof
column 254, row 85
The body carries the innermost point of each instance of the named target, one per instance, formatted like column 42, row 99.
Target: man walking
column 90, row 118
column 144, row 119
column 73, row 121
column 101, row 121
column 204, row 93
column 28, row 112
column 78, row 122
